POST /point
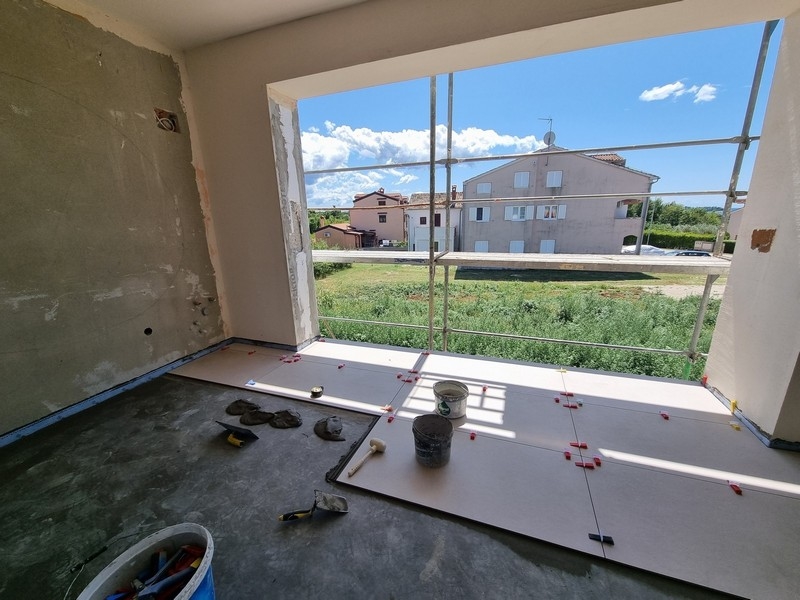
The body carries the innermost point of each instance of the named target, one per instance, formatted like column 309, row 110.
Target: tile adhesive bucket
column 123, row 569
column 451, row 398
column 432, row 437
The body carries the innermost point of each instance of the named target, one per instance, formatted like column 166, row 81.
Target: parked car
column 687, row 253
column 646, row 249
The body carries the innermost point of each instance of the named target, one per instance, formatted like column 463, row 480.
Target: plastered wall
column 754, row 353
column 105, row 272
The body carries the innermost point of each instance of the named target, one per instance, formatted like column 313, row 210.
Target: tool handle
column 358, row 465
column 296, row 514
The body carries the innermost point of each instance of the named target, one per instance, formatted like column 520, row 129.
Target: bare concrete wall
column 105, row 272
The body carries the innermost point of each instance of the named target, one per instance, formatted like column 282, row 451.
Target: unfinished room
column 188, row 412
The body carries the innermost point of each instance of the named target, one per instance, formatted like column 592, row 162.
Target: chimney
column 322, row 222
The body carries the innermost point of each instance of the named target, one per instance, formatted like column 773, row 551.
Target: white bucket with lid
column 451, row 398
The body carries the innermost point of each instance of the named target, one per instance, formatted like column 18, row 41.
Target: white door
column 547, row 246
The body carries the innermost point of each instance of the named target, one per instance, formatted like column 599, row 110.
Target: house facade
column 343, row 236
column 418, row 224
column 567, row 225
column 380, row 213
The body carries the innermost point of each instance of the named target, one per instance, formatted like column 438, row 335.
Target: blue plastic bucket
column 123, row 569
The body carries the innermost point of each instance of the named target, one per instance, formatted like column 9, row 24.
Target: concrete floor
column 153, row 457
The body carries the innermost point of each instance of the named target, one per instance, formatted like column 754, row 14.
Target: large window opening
column 645, row 158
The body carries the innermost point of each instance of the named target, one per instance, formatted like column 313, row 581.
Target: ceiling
column 183, row 24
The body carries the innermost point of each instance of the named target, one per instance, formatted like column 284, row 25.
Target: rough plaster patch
column 432, row 566
column 17, row 300
column 50, row 315
column 167, row 269
column 25, row 112
column 193, row 279
column 761, row 239
column 115, row 293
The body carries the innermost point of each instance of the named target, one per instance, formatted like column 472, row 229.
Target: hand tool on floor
column 323, row 500
column 375, row 445
column 238, row 435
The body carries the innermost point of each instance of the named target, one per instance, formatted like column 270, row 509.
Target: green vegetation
column 315, row 218
column 596, row 307
column 323, row 269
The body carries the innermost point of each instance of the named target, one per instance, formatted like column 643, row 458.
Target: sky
column 684, row 87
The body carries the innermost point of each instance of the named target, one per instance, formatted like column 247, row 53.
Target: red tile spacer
column 417, row 378
column 399, row 375
column 425, row 353
column 251, row 352
column 413, row 371
column 704, row 379
column 579, row 444
column 283, row 357
column 408, row 380
column 664, row 415
column 296, row 355
column 341, row 366
column 390, row 418
column 568, row 394
column 322, row 340
column 295, row 359
column 569, row 405
column 556, row 399
column 472, row 435
column 597, row 460
column 735, row 487
column 387, row 408
column 567, row 454
column 585, row 465
column 486, row 387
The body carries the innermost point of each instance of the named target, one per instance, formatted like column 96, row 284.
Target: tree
column 330, row 216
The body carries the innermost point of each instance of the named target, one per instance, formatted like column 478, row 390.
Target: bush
column 323, row 269
column 682, row 240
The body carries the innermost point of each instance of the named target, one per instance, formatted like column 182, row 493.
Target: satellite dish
column 549, row 138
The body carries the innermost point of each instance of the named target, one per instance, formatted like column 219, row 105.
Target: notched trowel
column 323, row 500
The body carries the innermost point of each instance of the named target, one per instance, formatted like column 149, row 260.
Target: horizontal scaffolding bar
column 601, row 150
column 620, row 263
column 527, row 338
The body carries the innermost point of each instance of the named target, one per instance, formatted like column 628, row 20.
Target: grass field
column 609, row 308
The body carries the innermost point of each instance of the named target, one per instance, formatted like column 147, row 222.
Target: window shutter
column 530, row 213
column 473, row 213
column 554, row 179
column 562, row 211
column 540, row 212
column 509, row 213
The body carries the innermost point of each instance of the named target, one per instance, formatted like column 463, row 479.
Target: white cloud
column 704, row 93
column 342, row 145
column 663, row 92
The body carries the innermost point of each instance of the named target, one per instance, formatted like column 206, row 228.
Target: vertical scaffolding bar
column 448, row 194
column 744, row 142
column 431, row 215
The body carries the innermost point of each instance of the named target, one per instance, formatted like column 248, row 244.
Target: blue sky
column 684, row 87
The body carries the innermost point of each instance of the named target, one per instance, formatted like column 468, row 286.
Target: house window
column 515, row 213
column 550, row 212
column 482, row 246
column 547, row 246
column 381, row 217
column 554, row 179
column 522, row 180
column 423, row 220
column 381, row 202
column 437, row 220
column 479, row 213
column 327, row 234
column 484, row 189
column 516, row 246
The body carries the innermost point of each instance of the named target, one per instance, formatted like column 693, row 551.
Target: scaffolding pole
column 431, row 213
column 448, row 194
column 744, row 138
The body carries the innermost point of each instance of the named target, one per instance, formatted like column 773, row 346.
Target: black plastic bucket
column 432, row 437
